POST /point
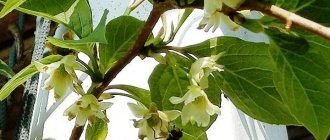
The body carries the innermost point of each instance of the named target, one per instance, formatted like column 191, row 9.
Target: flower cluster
column 87, row 108
column 197, row 107
column 154, row 123
column 212, row 16
column 61, row 77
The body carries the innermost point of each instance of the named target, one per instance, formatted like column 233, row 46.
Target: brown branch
column 76, row 132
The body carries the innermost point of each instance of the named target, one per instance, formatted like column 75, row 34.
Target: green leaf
column 99, row 33
column 75, row 14
column 6, row 70
column 97, row 131
column 139, row 94
column 317, row 11
column 81, row 19
column 17, row 80
column 84, row 45
column 10, row 5
column 292, row 5
column 191, row 132
column 121, row 34
column 303, row 80
column 253, row 25
column 171, row 79
column 24, row 75
column 72, row 44
column 248, row 77
column 59, row 11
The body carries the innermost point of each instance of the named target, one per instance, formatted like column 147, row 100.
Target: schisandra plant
column 282, row 81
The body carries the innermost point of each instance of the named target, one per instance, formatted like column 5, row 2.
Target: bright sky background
column 227, row 126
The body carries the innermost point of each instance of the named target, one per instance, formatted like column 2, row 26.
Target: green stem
column 131, row 8
column 120, row 94
column 96, row 69
column 78, row 88
column 113, row 87
column 180, row 50
column 88, row 70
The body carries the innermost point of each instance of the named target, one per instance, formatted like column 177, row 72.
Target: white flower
column 212, row 16
column 87, row 108
column 197, row 107
column 154, row 123
column 61, row 75
column 202, row 68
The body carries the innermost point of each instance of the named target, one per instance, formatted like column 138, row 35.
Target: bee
column 175, row 134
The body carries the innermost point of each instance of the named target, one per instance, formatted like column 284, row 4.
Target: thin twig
column 292, row 19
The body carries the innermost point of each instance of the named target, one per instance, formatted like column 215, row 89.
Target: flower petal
column 49, row 83
column 204, row 82
column 69, row 60
column 139, row 123
column 105, row 105
column 163, row 116
column 62, row 83
column 211, row 109
column 210, row 6
column 80, row 120
column 171, row 115
column 231, row 24
column 100, row 114
column 137, row 110
column 209, row 21
column 193, row 93
column 195, row 113
column 176, row 100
